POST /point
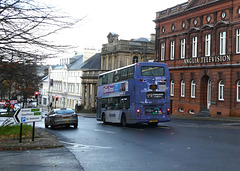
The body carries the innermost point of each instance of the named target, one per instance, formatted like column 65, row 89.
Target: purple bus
column 138, row 93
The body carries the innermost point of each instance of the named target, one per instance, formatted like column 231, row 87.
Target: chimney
column 153, row 36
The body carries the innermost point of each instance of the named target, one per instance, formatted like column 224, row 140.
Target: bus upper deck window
column 152, row 71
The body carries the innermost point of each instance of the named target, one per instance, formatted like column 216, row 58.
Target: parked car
column 31, row 105
column 3, row 111
column 61, row 117
column 2, row 105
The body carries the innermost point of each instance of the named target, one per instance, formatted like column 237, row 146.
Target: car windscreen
column 62, row 112
column 152, row 71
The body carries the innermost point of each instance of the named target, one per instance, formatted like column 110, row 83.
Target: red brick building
column 200, row 41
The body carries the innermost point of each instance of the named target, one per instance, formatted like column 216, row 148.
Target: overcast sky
column 128, row 18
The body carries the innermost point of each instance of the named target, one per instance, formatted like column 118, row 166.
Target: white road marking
column 85, row 147
column 100, row 130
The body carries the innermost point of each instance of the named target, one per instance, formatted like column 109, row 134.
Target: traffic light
column 56, row 97
column 36, row 94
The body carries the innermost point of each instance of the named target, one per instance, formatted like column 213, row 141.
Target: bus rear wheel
column 153, row 124
column 123, row 120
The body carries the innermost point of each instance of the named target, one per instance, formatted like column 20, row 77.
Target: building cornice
column 205, row 67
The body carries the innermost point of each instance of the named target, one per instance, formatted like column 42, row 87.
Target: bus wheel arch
column 123, row 120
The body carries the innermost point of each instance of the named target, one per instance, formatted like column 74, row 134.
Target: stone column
column 83, row 95
column 106, row 62
column 93, row 95
column 113, row 62
column 87, row 106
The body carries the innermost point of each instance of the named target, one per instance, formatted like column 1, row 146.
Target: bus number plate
column 155, row 95
column 153, row 120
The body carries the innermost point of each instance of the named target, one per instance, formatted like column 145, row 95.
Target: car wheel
column 75, row 125
column 46, row 126
column 123, row 120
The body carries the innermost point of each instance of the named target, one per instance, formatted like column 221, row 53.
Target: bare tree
column 24, row 27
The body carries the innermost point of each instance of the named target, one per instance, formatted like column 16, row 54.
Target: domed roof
column 141, row 39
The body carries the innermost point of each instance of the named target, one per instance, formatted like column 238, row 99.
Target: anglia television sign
column 208, row 59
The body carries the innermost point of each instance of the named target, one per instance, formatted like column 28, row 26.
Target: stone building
column 118, row 53
column 74, row 82
column 90, row 71
column 200, row 41
column 115, row 54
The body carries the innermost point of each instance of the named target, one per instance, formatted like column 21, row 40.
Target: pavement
column 42, row 140
column 206, row 118
column 54, row 159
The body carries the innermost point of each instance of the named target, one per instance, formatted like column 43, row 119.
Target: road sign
column 28, row 115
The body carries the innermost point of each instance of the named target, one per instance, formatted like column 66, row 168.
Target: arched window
column 208, row 45
column 135, row 59
column 221, row 90
column 194, row 46
column 223, row 43
column 162, row 51
column 172, row 88
column 182, row 88
column 238, row 91
column 193, row 89
column 172, row 47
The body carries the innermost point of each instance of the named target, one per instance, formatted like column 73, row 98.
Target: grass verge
column 14, row 131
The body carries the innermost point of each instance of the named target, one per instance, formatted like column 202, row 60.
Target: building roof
column 93, row 63
column 141, row 39
column 58, row 67
column 112, row 33
column 76, row 62
column 45, row 78
column 76, row 58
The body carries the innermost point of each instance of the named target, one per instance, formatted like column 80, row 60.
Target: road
column 176, row 145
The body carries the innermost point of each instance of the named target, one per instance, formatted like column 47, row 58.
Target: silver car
column 61, row 117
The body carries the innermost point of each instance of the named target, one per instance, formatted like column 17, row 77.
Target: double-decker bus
column 138, row 93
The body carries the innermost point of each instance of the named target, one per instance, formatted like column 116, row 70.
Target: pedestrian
column 11, row 108
column 50, row 106
column 8, row 108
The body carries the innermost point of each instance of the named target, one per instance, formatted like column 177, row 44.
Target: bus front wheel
column 104, row 118
column 123, row 120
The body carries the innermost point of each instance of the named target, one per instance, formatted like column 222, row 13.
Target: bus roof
column 117, row 69
column 130, row 66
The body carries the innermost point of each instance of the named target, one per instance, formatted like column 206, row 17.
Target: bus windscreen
column 152, row 71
